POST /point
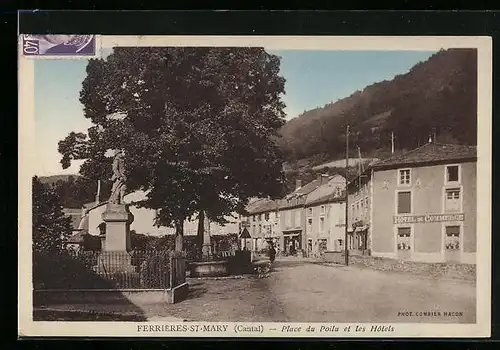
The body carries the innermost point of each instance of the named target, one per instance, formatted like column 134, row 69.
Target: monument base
column 114, row 262
column 206, row 252
column 118, row 219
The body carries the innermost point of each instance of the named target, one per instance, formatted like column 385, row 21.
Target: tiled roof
column 93, row 205
column 76, row 237
column 429, row 153
column 84, row 223
column 309, row 187
column 329, row 198
column 294, row 199
column 292, row 202
column 255, row 204
column 267, row 205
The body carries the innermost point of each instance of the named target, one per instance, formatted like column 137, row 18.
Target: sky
column 313, row 79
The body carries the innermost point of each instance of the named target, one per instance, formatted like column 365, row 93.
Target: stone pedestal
column 206, row 249
column 118, row 219
column 114, row 257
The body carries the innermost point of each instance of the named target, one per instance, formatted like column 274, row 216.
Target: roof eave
column 325, row 201
column 424, row 163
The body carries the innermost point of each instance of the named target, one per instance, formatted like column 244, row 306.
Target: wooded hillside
column 436, row 96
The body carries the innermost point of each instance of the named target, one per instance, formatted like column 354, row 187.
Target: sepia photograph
column 190, row 188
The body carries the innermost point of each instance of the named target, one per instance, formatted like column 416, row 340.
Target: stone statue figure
column 119, row 187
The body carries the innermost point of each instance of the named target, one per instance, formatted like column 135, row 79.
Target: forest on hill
column 438, row 97
column 74, row 191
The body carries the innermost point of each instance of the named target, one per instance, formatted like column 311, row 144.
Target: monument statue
column 119, row 187
column 115, row 229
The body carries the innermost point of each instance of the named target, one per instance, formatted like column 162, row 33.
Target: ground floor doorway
column 309, row 246
column 358, row 241
column 452, row 249
column 292, row 243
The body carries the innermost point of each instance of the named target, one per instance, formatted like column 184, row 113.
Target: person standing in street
column 272, row 252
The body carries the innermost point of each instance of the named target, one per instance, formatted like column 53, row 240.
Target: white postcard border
column 27, row 147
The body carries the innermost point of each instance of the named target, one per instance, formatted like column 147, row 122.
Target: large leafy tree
column 50, row 226
column 196, row 124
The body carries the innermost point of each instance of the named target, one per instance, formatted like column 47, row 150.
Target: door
column 452, row 244
column 309, row 246
column 286, row 246
column 404, row 244
column 322, row 245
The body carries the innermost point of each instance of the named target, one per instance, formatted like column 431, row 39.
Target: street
column 304, row 291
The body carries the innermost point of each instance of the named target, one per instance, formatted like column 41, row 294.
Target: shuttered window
column 452, row 173
column 452, row 200
column 404, row 202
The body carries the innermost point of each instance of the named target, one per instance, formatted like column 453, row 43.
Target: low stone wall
column 447, row 270
column 108, row 296
column 333, row 257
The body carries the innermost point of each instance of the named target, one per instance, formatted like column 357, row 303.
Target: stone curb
column 86, row 312
column 165, row 319
column 110, row 314
column 236, row 277
column 423, row 275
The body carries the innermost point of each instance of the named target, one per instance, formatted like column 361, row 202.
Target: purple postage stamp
column 59, row 45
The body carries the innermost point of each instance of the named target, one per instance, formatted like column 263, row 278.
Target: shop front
column 358, row 238
column 292, row 242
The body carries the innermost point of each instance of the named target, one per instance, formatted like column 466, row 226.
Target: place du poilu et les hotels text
column 259, row 328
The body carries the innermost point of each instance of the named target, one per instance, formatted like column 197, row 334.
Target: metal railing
column 109, row 270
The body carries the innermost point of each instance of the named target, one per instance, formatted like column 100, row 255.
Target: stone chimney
column 298, row 184
column 323, row 179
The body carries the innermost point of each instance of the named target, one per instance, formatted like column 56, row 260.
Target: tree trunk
column 200, row 233
column 179, row 236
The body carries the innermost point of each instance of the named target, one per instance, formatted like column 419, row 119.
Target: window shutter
column 404, row 202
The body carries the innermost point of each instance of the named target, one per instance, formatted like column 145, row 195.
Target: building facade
column 325, row 217
column 424, row 205
column 284, row 222
column 325, row 227
column 292, row 225
column 360, row 213
column 264, row 225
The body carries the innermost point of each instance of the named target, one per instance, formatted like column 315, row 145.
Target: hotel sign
column 426, row 219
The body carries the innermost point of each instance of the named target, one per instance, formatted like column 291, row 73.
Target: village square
column 199, row 197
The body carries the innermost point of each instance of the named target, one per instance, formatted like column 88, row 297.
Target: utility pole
column 392, row 142
column 346, row 254
column 98, row 193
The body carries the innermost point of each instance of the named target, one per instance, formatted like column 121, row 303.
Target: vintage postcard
column 226, row 186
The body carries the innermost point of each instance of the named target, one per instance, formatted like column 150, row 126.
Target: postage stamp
column 199, row 186
column 59, row 45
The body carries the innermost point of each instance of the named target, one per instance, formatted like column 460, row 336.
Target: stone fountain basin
column 209, row 268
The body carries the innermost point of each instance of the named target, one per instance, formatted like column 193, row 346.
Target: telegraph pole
column 392, row 142
column 346, row 253
column 98, row 193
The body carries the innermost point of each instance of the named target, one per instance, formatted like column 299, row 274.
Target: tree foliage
column 196, row 124
column 50, row 226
